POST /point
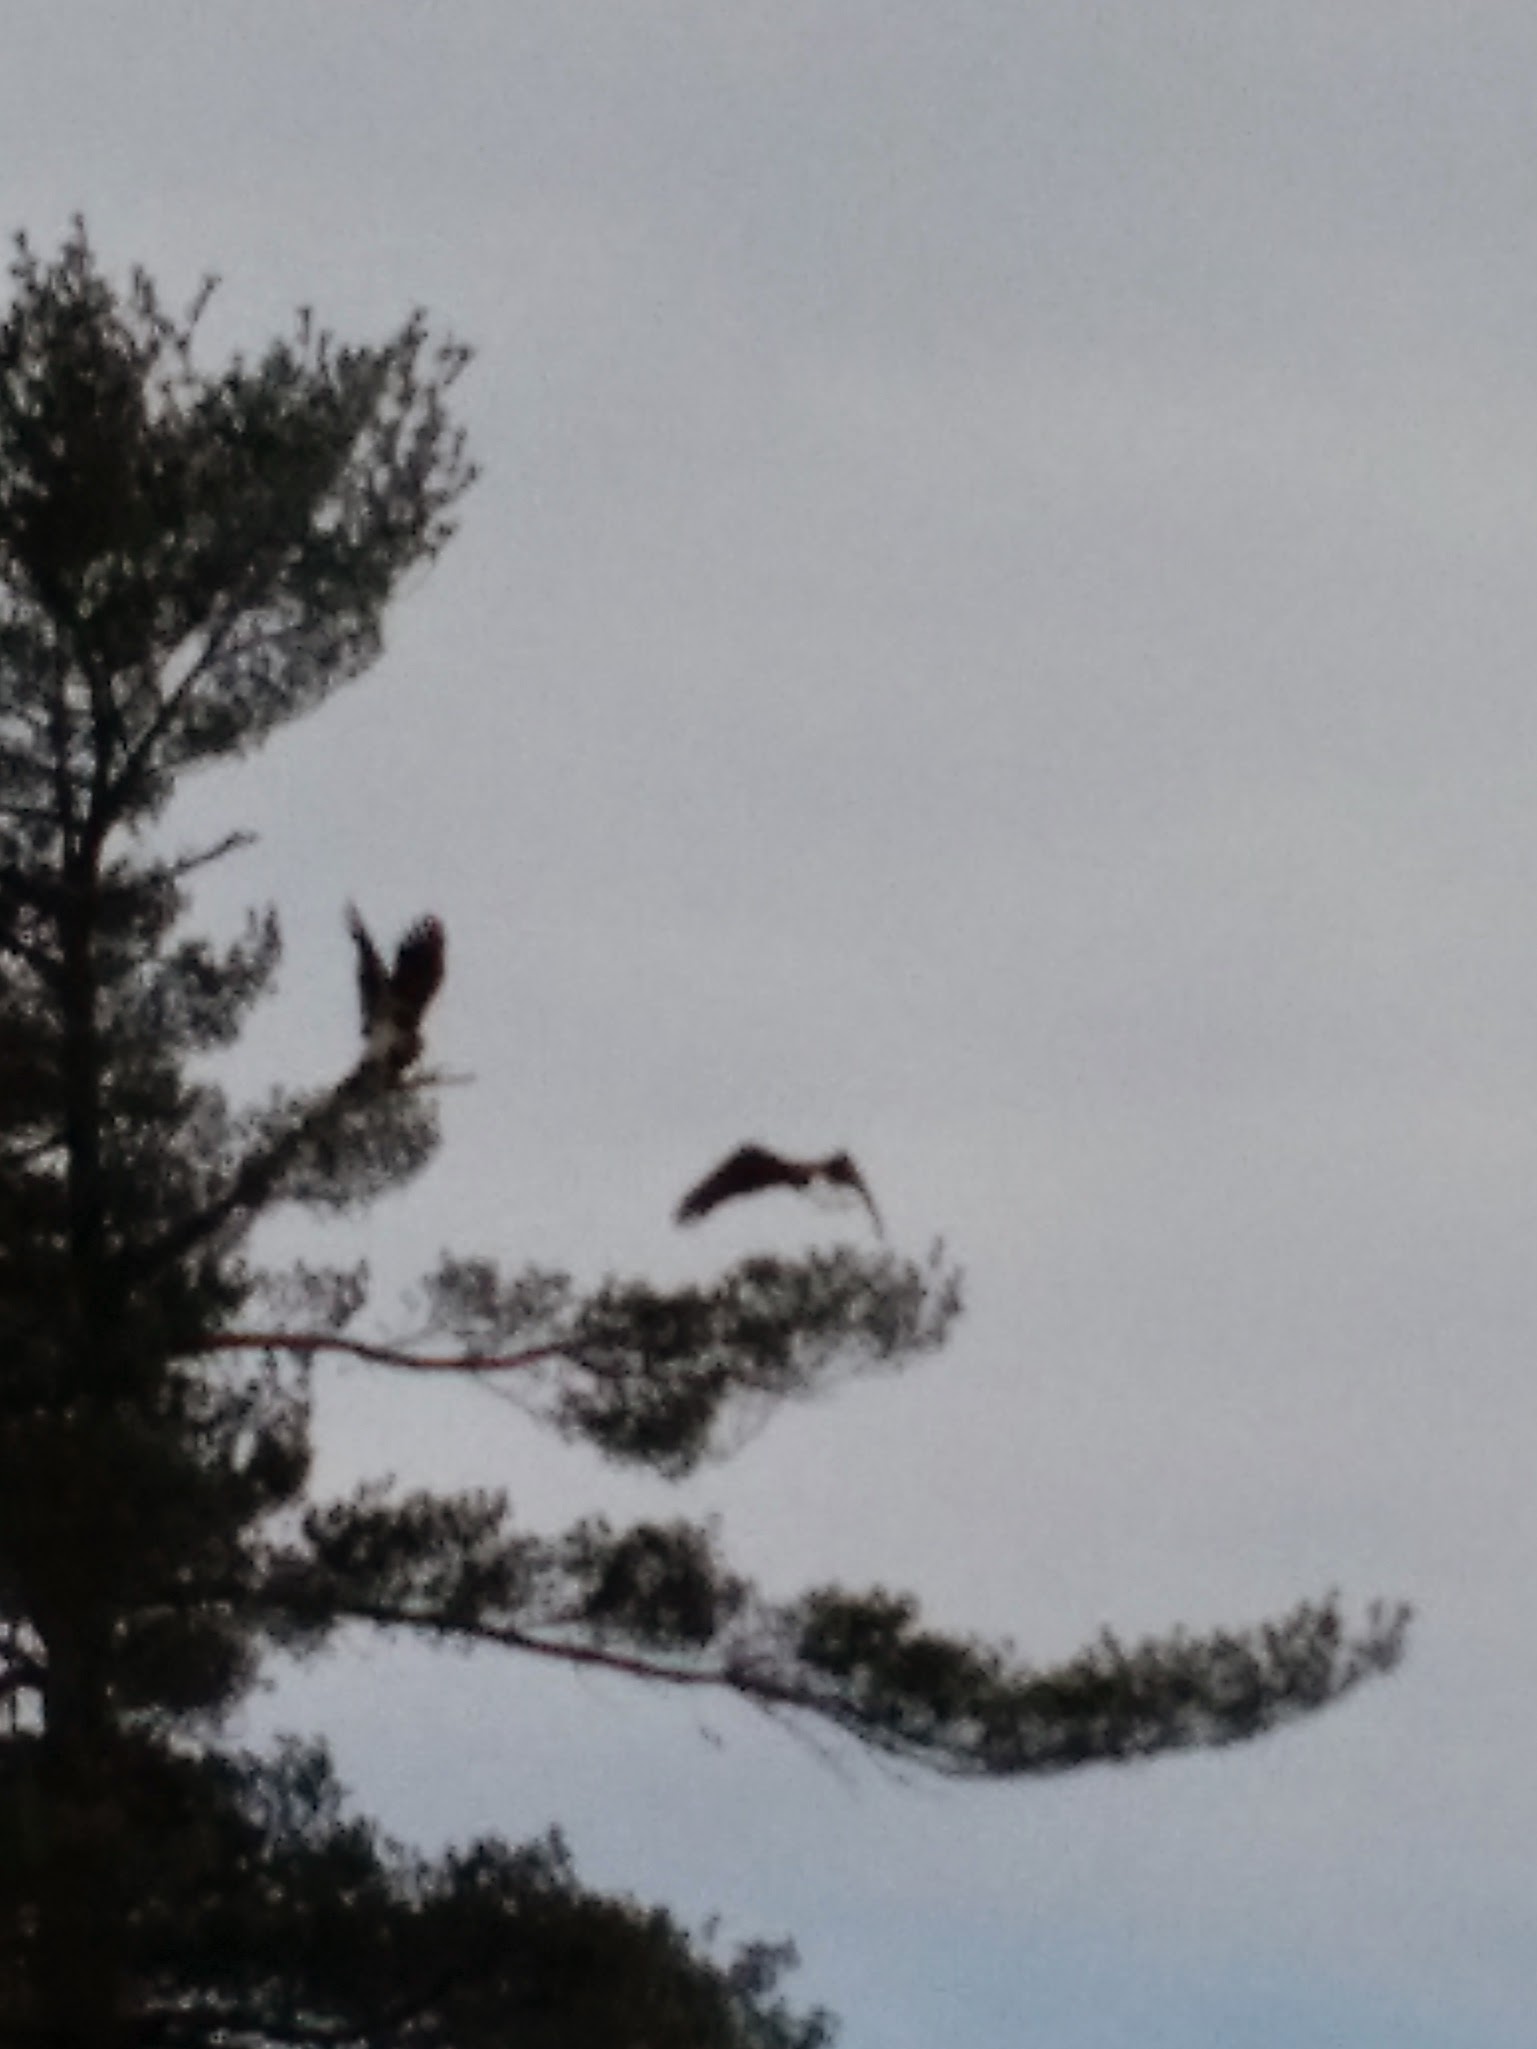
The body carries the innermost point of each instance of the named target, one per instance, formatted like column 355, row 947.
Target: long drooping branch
column 657, row 1603
column 958, row 1708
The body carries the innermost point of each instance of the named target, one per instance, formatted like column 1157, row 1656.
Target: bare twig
column 309, row 1342
column 231, row 843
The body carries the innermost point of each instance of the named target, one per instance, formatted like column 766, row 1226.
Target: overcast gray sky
column 998, row 630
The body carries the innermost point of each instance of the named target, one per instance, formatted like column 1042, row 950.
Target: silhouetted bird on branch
column 393, row 1000
column 752, row 1168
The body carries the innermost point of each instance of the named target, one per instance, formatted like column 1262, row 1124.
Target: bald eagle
column 393, row 1000
column 752, row 1168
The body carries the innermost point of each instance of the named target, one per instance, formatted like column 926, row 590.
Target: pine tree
column 189, row 559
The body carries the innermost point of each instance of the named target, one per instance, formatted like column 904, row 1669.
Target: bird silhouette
column 752, row 1168
column 393, row 1000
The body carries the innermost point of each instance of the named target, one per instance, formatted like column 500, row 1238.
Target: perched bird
column 394, row 1000
column 752, row 1168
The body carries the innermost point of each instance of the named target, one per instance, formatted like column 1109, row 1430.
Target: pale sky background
column 999, row 630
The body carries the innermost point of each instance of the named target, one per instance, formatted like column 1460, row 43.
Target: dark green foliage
column 649, row 1376
column 188, row 559
column 661, row 1587
column 210, row 555
column 256, row 1910
column 961, row 1706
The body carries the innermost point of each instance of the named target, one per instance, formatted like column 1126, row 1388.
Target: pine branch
column 656, row 1603
column 308, row 1343
column 657, row 1374
column 236, row 607
column 254, row 1183
column 232, row 843
column 1111, row 1704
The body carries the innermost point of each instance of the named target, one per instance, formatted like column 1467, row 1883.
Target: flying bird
column 394, row 999
column 752, row 1168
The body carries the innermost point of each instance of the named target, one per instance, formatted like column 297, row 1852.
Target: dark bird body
column 393, row 1000
column 752, row 1168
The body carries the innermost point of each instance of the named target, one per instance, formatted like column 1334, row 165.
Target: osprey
column 752, row 1168
column 393, row 1000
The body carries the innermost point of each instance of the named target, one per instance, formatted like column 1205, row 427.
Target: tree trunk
column 80, row 1903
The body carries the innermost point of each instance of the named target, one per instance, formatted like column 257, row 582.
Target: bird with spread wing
column 394, row 1000
column 752, row 1168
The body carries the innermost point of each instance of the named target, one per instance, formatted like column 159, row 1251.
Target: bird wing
column 419, row 965
column 373, row 981
column 743, row 1172
column 841, row 1169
